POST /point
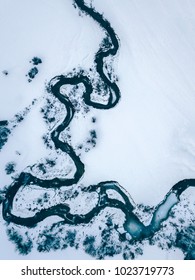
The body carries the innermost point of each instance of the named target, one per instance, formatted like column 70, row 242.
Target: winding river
column 132, row 223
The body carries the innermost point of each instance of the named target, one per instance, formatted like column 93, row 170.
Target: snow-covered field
column 146, row 142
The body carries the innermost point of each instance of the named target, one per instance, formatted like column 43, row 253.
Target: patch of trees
column 23, row 244
column 4, row 133
column 185, row 240
column 10, row 168
column 34, row 70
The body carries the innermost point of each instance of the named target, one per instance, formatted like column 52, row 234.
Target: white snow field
column 147, row 142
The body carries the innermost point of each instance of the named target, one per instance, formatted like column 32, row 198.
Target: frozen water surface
column 97, row 136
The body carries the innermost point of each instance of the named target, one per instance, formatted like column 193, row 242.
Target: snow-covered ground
column 152, row 129
column 145, row 143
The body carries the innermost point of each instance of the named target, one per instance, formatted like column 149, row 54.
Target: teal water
column 132, row 224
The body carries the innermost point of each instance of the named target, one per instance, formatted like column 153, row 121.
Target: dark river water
column 132, row 223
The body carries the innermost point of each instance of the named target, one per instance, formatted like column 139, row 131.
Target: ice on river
column 146, row 143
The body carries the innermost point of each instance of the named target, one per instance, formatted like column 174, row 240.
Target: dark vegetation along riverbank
column 132, row 225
